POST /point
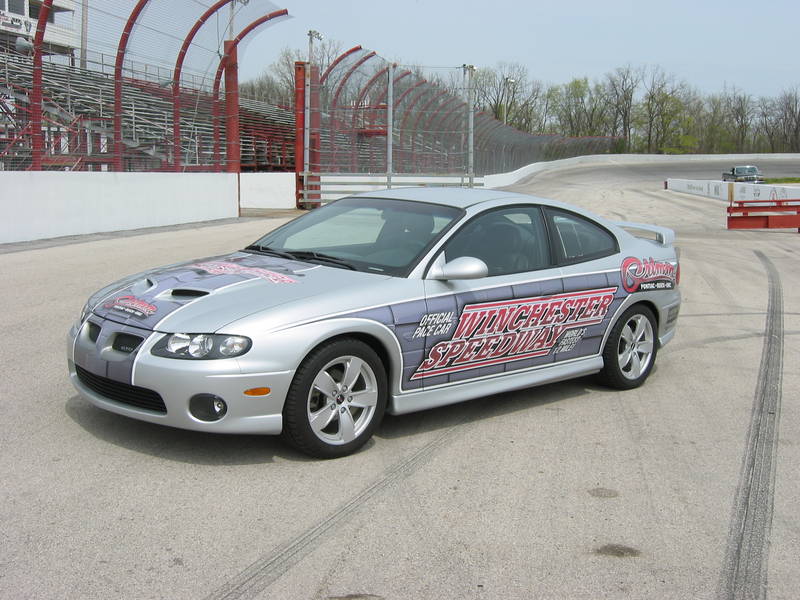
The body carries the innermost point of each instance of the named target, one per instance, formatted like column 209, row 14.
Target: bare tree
column 661, row 110
column 740, row 110
column 621, row 86
column 582, row 109
column 504, row 91
column 788, row 108
column 276, row 84
column 768, row 123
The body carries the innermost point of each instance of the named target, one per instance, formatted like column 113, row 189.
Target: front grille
column 94, row 331
column 122, row 392
column 125, row 342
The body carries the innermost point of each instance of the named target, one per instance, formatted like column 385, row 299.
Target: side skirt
column 458, row 392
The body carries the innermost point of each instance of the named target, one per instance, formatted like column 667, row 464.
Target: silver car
column 391, row 301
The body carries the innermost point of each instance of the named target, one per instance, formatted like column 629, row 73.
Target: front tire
column 337, row 399
column 631, row 348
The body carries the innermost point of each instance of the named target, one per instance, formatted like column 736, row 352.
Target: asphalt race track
column 685, row 488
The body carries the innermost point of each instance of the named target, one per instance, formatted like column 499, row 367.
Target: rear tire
column 336, row 401
column 631, row 348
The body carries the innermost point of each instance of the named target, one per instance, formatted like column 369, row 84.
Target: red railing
column 764, row 214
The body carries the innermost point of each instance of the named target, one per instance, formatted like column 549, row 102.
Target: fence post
column 299, row 130
column 37, row 142
column 389, row 124
column 306, row 118
column 232, row 140
column 470, row 126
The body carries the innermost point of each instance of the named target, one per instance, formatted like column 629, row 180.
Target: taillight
column 678, row 275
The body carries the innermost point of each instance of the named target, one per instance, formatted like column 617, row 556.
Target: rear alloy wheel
column 336, row 401
column 630, row 350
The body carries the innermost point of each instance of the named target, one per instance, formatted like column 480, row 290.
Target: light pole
column 469, row 73
column 84, row 31
column 506, row 82
column 313, row 34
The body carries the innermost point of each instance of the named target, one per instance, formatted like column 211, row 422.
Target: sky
column 708, row 43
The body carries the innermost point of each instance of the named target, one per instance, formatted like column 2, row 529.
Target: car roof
column 452, row 196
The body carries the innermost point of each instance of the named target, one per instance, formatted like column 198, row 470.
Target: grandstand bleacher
column 78, row 111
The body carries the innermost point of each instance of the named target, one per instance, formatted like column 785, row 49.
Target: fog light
column 207, row 407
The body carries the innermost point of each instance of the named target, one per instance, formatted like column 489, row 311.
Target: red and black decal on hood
column 146, row 301
column 131, row 305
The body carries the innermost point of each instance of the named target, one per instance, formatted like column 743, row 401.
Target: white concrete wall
column 700, row 187
column 267, row 190
column 54, row 204
column 733, row 191
column 505, row 179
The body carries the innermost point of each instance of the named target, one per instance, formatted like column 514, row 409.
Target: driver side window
column 508, row 240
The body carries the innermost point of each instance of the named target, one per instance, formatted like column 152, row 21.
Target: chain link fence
column 141, row 85
column 368, row 115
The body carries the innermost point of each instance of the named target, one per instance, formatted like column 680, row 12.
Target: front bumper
column 176, row 382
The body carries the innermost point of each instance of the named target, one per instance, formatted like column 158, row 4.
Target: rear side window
column 577, row 239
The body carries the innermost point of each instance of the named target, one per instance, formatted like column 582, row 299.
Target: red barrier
column 764, row 214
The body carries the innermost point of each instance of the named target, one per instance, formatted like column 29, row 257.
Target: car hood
column 202, row 296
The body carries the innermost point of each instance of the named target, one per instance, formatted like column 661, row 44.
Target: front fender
column 285, row 349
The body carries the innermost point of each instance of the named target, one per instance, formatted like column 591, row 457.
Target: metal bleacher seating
column 78, row 111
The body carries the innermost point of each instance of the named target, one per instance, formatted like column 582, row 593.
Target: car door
column 589, row 258
column 485, row 327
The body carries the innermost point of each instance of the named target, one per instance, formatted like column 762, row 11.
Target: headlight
column 204, row 346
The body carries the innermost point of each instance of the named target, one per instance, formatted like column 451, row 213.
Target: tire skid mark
column 716, row 285
column 744, row 573
column 266, row 570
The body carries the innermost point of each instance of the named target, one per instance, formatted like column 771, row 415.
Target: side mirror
column 463, row 267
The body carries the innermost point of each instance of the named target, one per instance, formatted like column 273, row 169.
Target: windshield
column 368, row 234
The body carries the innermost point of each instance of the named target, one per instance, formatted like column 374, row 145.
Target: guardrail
column 327, row 187
column 758, row 214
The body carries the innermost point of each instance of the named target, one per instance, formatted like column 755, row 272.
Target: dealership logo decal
column 226, row 268
column 645, row 275
column 133, row 306
column 493, row 333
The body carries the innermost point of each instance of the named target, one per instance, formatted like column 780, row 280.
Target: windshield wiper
column 327, row 258
column 269, row 251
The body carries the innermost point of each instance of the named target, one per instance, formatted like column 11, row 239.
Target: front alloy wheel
column 630, row 350
column 336, row 400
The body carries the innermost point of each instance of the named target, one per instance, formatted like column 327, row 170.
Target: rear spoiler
column 665, row 236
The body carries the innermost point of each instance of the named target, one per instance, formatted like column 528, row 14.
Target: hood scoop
column 182, row 294
column 143, row 286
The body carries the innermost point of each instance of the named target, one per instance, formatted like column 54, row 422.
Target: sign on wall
column 16, row 23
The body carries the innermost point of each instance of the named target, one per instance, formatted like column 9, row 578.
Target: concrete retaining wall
column 506, row 179
column 39, row 205
column 729, row 191
column 267, row 190
column 54, row 204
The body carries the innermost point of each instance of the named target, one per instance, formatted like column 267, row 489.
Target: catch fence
column 134, row 85
column 364, row 115
column 152, row 85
